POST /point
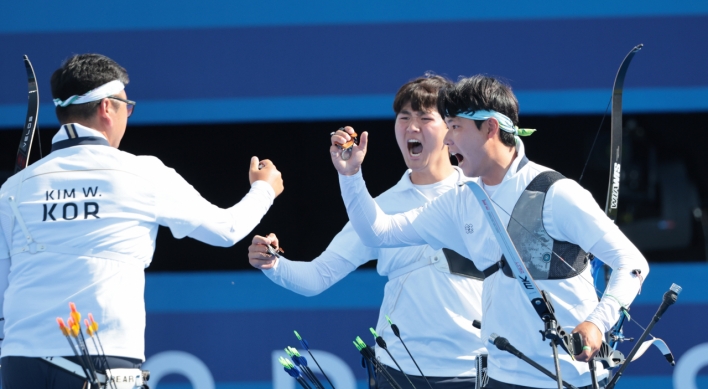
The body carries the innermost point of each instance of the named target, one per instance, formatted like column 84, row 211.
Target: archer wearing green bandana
column 553, row 222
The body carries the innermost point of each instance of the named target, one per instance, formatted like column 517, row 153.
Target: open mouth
column 415, row 148
column 459, row 158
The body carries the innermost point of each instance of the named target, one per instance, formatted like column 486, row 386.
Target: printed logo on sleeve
column 469, row 228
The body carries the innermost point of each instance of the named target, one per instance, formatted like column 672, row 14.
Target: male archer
column 552, row 221
column 80, row 225
column 433, row 300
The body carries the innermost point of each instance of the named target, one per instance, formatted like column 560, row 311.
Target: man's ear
column 104, row 113
column 104, row 108
column 492, row 128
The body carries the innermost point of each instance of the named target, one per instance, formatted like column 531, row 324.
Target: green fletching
column 298, row 335
column 294, row 351
column 287, row 351
column 356, row 345
column 373, row 332
column 389, row 319
column 361, row 342
column 285, row 363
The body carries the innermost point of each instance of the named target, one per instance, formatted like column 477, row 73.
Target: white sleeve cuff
column 261, row 185
column 605, row 314
column 629, row 270
column 346, row 180
column 310, row 278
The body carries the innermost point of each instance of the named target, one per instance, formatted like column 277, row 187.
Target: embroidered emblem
column 469, row 228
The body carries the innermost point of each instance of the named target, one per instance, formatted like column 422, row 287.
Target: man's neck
column 500, row 165
column 432, row 175
column 92, row 124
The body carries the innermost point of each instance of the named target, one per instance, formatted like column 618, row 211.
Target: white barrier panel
column 687, row 368
column 182, row 363
column 336, row 369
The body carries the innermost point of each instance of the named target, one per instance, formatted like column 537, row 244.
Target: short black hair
column 480, row 93
column 80, row 74
column 421, row 93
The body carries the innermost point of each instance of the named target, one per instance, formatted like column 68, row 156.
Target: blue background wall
column 233, row 321
column 272, row 60
column 225, row 61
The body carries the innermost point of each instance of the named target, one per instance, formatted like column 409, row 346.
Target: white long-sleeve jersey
column 433, row 309
column 88, row 219
column 455, row 220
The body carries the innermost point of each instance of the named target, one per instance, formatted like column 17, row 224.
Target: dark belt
column 494, row 384
column 494, row 268
column 461, row 265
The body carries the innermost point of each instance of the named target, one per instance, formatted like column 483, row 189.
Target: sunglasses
column 130, row 104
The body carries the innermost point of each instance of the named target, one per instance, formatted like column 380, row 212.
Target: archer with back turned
column 552, row 221
column 80, row 225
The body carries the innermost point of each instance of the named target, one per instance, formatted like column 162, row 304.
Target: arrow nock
column 394, row 327
column 303, row 342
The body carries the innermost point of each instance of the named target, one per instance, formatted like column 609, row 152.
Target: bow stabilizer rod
column 504, row 345
column 669, row 299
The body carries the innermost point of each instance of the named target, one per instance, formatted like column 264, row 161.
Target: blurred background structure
column 219, row 81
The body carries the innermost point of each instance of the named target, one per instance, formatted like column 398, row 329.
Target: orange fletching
column 74, row 313
column 89, row 329
column 73, row 326
column 62, row 327
column 94, row 323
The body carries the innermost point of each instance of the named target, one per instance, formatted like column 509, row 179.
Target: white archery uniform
column 433, row 309
column 93, row 212
column 455, row 220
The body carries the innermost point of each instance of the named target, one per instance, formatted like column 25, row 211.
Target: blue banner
column 227, row 329
column 273, row 61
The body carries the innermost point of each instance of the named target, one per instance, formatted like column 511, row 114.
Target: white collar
column 75, row 130
column 520, row 154
column 405, row 183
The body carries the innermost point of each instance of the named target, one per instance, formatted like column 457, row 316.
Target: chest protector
column 533, row 242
